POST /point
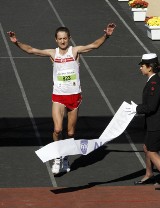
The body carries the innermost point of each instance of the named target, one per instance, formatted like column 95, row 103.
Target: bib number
column 66, row 78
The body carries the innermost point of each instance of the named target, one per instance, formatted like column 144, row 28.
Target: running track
column 109, row 76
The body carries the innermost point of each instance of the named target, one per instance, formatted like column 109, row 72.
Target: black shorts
column 152, row 141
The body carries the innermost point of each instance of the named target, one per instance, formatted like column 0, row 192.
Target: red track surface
column 101, row 197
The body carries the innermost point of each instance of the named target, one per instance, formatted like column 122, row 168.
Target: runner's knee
column 57, row 134
column 57, row 130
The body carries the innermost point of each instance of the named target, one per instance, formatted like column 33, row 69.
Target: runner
column 66, row 94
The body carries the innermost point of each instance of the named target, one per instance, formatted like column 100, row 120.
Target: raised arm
column 28, row 48
column 96, row 44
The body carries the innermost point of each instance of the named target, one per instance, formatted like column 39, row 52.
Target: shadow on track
column 92, row 184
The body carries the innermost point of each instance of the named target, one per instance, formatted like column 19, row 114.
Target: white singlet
column 66, row 79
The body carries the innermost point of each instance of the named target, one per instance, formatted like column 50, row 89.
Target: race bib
column 66, row 78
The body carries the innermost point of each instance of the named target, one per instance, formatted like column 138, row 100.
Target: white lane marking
column 25, row 100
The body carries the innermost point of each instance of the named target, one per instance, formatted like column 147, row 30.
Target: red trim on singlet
column 58, row 60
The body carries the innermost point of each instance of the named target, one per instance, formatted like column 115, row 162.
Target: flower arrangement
column 138, row 4
column 130, row 2
column 153, row 21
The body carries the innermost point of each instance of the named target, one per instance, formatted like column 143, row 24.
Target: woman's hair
column 62, row 29
column 155, row 66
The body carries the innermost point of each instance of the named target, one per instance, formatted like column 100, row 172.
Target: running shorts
column 70, row 101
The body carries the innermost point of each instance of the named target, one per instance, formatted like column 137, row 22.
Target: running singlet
column 65, row 74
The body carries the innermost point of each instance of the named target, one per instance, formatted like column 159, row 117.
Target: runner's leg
column 57, row 115
column 72, row 120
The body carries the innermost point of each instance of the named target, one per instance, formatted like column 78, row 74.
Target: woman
column 149, row 66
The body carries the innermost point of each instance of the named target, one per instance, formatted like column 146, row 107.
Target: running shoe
column 65, row 165
column 56, row 167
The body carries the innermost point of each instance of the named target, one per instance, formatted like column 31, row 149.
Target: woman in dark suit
column 149, row 66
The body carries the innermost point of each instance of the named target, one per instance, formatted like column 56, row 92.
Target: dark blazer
column 151, row 103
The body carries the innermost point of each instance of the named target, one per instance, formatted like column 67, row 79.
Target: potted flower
column 138, row 4
column 153, row 27
column 139, row 8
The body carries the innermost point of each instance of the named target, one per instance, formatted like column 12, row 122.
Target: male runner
column 66, row 94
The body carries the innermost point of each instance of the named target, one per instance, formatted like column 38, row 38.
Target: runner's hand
column 12, row 36
column 110, row 28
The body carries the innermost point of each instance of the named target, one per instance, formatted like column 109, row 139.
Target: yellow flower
column 130, row 2
column 153, row 21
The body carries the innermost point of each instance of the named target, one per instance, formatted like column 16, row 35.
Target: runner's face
column 62, row 40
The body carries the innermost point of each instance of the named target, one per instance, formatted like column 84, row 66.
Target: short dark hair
column 62, row 29
column 155, row 66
